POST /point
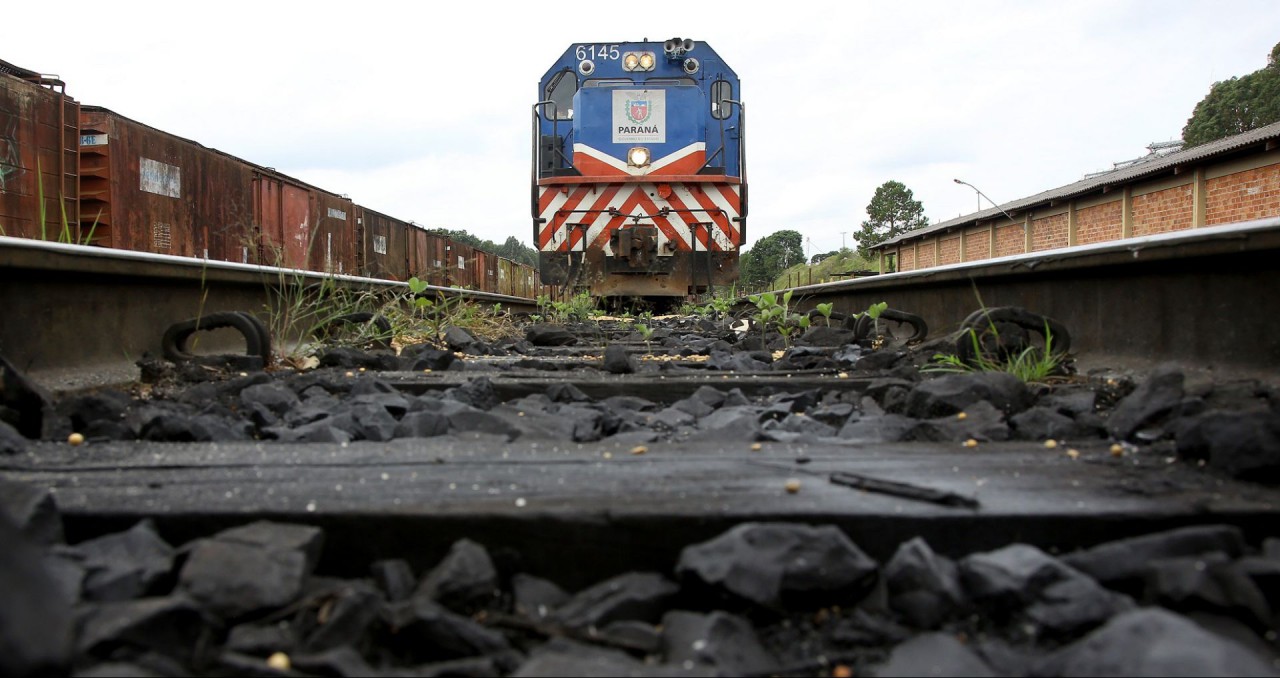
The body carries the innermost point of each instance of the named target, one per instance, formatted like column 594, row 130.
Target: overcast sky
column 421, row 110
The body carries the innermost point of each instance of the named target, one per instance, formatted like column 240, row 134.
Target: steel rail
column 1204, row 297
column 72, row 310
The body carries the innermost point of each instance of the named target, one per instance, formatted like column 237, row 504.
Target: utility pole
column 842, row 247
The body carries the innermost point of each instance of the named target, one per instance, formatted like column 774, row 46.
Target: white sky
column 422, row 110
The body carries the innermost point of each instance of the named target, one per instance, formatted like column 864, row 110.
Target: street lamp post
column 984, row 195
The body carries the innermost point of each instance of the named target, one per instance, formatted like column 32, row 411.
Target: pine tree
column 893, row 210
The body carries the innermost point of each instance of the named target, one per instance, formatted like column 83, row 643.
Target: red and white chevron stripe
column 581, row 216
column 595, row 163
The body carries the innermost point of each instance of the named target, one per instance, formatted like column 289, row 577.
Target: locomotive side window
column 721, row 93
column 560, row 91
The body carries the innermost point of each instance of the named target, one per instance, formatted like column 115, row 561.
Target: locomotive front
column 639, row 184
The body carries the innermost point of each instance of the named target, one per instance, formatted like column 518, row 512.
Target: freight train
column 99, row 178
column 639, row 184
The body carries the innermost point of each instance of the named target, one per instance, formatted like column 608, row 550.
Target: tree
column 517, row 251
column 1237, row 105
column 893, row 210
column 770, row 256
column 818, row 258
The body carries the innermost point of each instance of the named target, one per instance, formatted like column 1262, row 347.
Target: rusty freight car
column 150, row 191
column 39, row 135
column 382, row 245
column 111, row 181
column 427, row 254
column 147, row 190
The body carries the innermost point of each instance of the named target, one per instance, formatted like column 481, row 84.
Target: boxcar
column 150, row 191
column 383, row 245
column 39, row 136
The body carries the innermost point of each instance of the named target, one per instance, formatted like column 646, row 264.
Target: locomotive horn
column 686, row 45
column 670, row 46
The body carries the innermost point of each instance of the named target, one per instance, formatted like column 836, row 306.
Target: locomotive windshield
column 560, row 93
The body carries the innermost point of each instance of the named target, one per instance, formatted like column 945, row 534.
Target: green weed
column 1032, row 364
column 65, row 236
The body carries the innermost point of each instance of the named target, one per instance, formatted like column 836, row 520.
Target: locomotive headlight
column 638, row 61
column 691, row 65
column 638, row 156
column 587, row 67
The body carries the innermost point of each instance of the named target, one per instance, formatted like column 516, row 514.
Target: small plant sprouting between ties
column 825, row 310
column 1031, row 364
column 646, row 333
column 778, row 315
column 581, row 306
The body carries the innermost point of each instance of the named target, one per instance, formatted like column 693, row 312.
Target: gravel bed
column 760, row 599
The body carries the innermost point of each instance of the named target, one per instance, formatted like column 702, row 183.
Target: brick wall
column 907, row 261
column 1049, row 232
column 1162, row 211
column 1098, row 223
column 949, row 250
column 1239, row 196
column 926, row 254
column 1010, row 239
column 1252, row 194
column 977, row 243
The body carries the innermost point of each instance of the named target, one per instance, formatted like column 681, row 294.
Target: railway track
column 608, row 486
column 1202, row 297
column 84, row 315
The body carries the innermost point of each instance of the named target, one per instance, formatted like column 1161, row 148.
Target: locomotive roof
column 703, row 51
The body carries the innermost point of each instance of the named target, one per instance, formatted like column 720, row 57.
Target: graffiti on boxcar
column 10, row 158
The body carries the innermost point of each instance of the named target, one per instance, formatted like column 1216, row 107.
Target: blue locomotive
column 639, row 180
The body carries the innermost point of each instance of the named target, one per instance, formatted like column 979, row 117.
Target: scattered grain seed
column 793, row 486
column 971, row 443
column 962, row 416
column 756, row 447
column 279, row 661
column 639, row 449
column 1117, row 450
column 607, row 455
column 1073, row 453
column 75, row 439
column 843, row 375
column 351, row 374
column 1051, row 443
column 841, row 671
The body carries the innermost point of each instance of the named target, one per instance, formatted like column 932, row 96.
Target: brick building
column 1225, row 181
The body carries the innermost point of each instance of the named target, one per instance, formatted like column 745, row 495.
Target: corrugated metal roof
column 17, row 71
column 1090, row 184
